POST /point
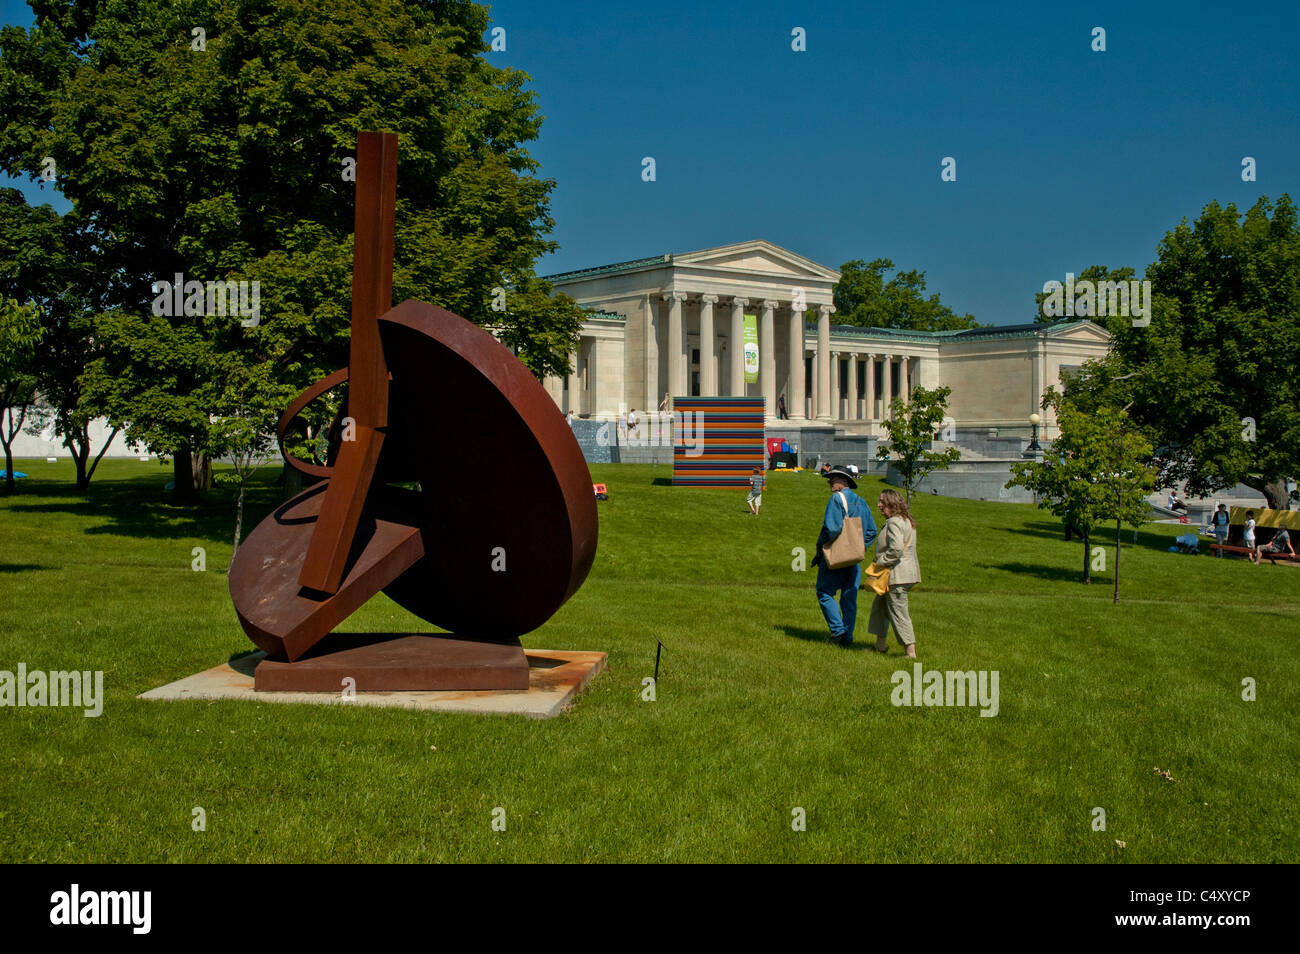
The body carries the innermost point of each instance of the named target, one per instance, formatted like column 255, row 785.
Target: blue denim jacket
column 833, row 522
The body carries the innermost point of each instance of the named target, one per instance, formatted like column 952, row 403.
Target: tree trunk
column 1274, row 491
column 1087, row 559
column 183, row 491
column 98, row 457
column 202, row 465
column 239, row 520
column 78, row 445
column 7, row 441
column 1276, row 494
column 1116, row 559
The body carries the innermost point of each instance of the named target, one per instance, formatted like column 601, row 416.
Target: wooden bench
column 1264, row 554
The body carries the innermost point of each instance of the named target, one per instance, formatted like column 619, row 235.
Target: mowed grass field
column 756, row 714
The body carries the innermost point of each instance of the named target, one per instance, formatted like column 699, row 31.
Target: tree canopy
column 1212, row 380
column 213, row 140
column 863, row 298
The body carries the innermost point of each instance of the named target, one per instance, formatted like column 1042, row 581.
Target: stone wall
column 982, row 480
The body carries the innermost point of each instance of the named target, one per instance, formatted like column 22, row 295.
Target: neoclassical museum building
column 672, row 325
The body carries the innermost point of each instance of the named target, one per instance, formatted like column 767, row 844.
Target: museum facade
column 673, row 325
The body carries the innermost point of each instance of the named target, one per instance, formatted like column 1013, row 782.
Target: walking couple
column 895, row 552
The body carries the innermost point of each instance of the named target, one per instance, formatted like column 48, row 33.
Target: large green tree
column 1093, row 273
column 863, row 297
column 213, row 139
column 1212, row 380
column 52, row 261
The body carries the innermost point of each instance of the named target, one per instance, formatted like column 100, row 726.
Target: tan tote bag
column 848, row 548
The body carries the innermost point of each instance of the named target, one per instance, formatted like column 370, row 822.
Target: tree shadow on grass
column 139, row 507
column 20, row 567
column 1105, row 536
column 1056, row 573
column 823, row 636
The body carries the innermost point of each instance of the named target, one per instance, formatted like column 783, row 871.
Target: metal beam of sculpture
column 436, row 401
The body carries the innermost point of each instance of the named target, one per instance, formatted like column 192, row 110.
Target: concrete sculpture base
column 555, row 677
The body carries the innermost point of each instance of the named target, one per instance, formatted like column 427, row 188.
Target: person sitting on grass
column 1280, row 545
column 755, row 498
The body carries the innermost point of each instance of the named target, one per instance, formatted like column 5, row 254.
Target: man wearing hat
column 843, row 503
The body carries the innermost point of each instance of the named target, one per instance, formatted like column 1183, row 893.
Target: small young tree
column 911, row 427
column 20, row 333
column 1125, row 479
column 1094, row 471
column 246, row 434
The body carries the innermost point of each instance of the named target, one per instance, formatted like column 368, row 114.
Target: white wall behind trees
column 49, row 444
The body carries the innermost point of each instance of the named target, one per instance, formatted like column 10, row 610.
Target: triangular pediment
column 1082, row 330
column 757, row 256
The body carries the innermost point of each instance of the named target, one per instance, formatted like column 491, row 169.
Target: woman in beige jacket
column 895, row 549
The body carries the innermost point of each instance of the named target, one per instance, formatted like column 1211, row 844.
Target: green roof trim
column 1031, row 330
column 631, row 266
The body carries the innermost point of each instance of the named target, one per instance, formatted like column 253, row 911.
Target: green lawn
column 756, row 714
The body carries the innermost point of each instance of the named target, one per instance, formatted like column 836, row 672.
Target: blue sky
column 1065, row 157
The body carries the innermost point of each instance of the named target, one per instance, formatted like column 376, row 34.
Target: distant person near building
column 757, row 481
column 780, row 408
column 631, row 424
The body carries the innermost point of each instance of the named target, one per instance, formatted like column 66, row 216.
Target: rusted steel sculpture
column 484, row 552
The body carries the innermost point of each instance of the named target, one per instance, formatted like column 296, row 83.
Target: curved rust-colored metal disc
column 502, row 532
column 281, row 616
column 506, row 508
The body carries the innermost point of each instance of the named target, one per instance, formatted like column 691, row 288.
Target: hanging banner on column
column 751, row 348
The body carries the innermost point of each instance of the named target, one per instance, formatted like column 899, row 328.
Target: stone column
column 824, row 362
column 737, row 383
column 794, row 401
column 835, row 385
column 871, row 388
column 651, row 329
column 575, row 404
column 767, row 357
column 853, row 387
column 555, row 388
column 676, row 345
column 904, row 378
column 708, row 370
column 887, row 385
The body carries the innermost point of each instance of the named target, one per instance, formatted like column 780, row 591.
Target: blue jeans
column 843, row 617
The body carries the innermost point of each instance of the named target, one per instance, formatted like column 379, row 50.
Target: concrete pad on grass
column 555, row 677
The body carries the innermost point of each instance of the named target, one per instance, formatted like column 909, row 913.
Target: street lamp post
column 1034, row 447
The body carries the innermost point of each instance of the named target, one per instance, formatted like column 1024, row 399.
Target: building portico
column 673, row 325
